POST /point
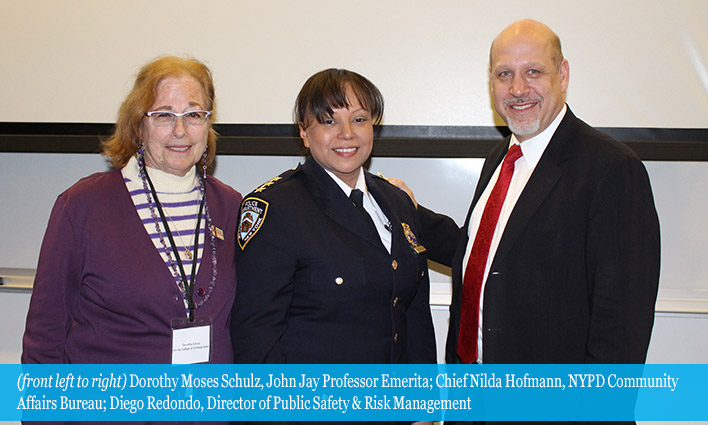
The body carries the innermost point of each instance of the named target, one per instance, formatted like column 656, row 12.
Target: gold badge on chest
column 412, row 239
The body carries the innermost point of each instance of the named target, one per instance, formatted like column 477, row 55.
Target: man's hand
column 404, row 187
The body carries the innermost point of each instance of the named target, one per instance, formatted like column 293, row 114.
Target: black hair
column 326, row 90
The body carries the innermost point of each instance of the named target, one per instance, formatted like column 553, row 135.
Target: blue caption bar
column 354, row 392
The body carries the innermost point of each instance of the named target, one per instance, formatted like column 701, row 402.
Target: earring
column 204, row 165
column 141, row 154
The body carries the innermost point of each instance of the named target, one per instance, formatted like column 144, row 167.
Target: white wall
column 633, row 63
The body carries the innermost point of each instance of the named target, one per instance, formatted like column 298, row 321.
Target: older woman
column 330, row 267
column 138, row 262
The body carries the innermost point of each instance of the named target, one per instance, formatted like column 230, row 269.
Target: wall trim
column 410, row 141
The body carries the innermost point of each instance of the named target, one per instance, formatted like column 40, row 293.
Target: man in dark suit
column 558, row 259
column 568, row 267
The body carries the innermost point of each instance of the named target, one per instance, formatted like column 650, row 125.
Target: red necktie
column 474, row 272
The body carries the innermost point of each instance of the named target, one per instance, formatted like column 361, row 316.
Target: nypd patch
column 253, row 214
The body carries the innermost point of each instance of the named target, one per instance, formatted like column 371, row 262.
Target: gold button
column 422, row 274
column 394, row 264
column 395, row 338
column 339, row 281
column 395, row 301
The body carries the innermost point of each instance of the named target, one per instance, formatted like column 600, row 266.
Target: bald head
column 528, row 77
column 529, row 29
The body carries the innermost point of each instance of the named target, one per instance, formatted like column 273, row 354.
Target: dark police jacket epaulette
column 283, row 177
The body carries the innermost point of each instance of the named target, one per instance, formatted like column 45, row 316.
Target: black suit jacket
column 575, row 276
column 316, row 285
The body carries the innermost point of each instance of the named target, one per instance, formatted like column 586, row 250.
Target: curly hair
column 123, row 143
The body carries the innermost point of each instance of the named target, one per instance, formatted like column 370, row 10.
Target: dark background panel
column 406, row 141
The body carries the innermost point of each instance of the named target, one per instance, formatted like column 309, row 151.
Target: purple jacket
column 103, row 293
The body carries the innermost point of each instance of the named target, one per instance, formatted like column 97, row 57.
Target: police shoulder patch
column 253, row 214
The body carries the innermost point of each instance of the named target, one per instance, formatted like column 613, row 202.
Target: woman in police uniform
column 324, row 277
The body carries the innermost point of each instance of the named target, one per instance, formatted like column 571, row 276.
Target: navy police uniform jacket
column 315, row 283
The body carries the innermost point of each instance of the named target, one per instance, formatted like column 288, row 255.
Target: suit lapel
column 537, row 189
column 336, row 205
column 544, row 177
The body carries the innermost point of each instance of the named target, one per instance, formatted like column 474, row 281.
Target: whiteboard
column 445, row 185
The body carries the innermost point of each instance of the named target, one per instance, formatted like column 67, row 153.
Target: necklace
column 187, row 251
column 185, row 288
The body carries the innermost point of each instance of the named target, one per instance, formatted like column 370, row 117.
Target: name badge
column 191, row 341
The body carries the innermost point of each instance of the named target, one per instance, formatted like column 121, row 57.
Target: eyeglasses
column 167, row 118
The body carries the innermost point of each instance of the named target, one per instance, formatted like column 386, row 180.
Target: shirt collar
column 533, row 148
column 360, row 182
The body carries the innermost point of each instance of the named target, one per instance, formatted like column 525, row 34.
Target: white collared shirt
column 532, row 149
column 383, row 225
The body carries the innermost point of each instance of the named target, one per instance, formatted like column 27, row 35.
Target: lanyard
column 188, row 285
